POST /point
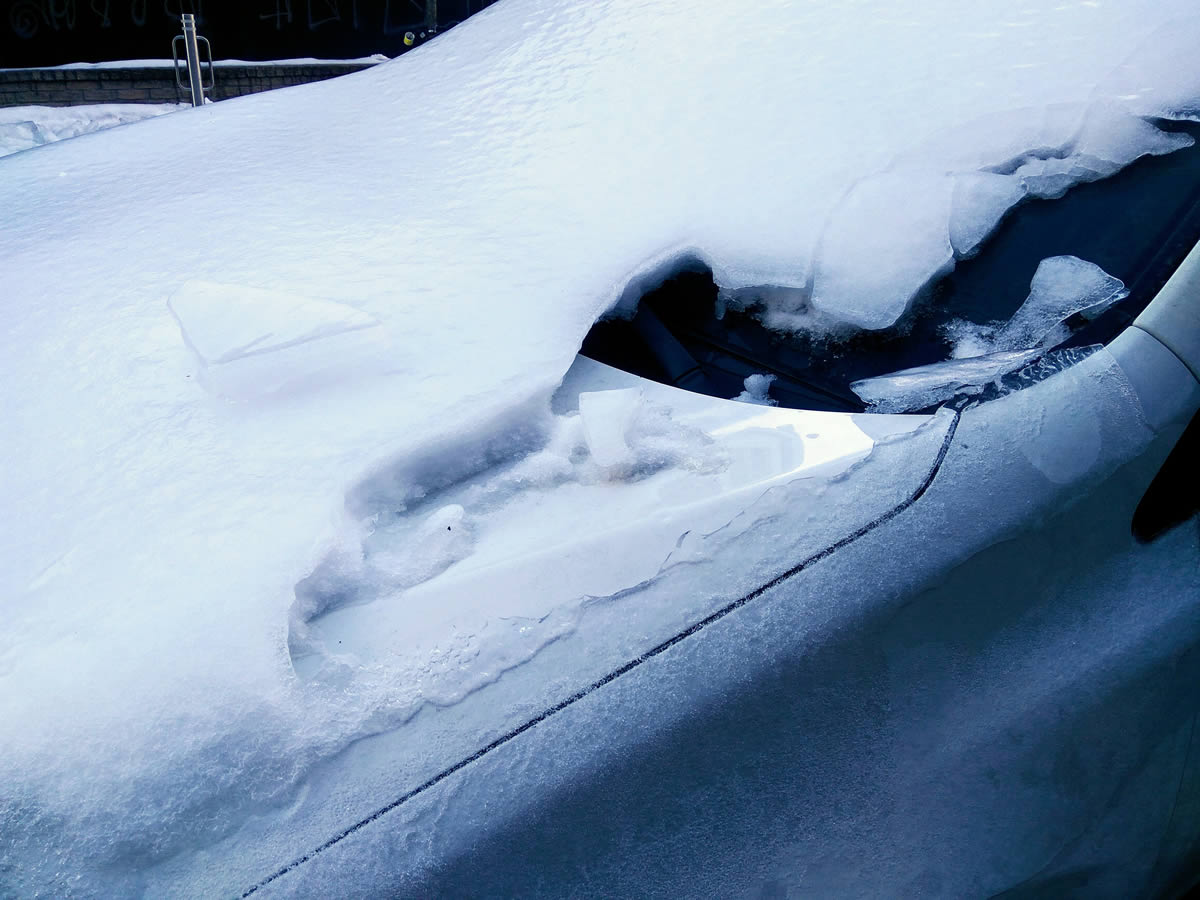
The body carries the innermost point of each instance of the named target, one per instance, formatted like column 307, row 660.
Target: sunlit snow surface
column 475, row 206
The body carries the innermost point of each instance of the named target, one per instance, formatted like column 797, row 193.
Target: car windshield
column 1136, row 225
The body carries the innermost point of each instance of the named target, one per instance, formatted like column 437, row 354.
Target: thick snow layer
column 480, row 202
column 23, row 127
column 940, row 202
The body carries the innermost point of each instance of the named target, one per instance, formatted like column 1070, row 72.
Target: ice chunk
column 628, row 438
column 757, row 390
column 607, row 416
column 251, row 342
column 1112, row 138
column 968, row 339
column 885, row 241
column 1063, row 286
column 1109, row 139
column 925, row 386
column 979, row 202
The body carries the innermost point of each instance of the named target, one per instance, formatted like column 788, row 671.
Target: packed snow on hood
column 22, row 127
column 229, row 331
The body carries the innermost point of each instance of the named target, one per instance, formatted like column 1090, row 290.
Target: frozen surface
column 1000, row 710
column 23, row 127
column 1062, row 287
column 978, row 203
column 930, row 385
column 895, row 232
column 758, row 390
column 161, row 522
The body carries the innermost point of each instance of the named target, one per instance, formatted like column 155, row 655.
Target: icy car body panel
column 1020, row 694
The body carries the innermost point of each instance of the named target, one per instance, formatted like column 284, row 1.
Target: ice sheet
column 155, row 531
column 925, row 386
column 1062, row 287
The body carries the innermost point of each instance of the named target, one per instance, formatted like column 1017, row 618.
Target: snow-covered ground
column 242, row 341
column 22, row 127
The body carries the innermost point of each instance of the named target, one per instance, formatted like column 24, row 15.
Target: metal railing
column 191, row 45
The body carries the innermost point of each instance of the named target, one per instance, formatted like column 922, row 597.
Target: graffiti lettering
column 326, row 8
column 283, row 11
column 50, row 32
column 408, row 7
column 25, row 18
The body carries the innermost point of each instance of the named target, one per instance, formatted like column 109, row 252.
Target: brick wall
column 70, row 87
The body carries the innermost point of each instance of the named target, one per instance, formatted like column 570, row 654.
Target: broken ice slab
column 886, row 240
column 606, row 417
column 1109, row 139
column 251, row 342
column 926, row 386
column 1063, row 286
column 980, row 200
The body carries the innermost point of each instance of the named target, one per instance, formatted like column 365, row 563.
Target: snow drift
column 24, row 127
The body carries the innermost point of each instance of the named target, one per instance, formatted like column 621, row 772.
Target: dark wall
column 53, row 32
column 70, row 87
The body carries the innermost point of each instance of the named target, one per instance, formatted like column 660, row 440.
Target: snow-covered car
column 855, row 555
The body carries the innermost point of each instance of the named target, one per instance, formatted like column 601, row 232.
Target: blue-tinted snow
column 484, row 199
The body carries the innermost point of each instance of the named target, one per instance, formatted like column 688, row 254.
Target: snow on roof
column 474, row 205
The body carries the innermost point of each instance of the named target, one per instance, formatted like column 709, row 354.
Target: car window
column 1137, row 225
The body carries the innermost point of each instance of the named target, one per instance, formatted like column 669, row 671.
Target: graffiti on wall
column 41, row 32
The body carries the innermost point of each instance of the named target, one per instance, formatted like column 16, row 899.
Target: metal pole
column 193, row 59
column 431, row 20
